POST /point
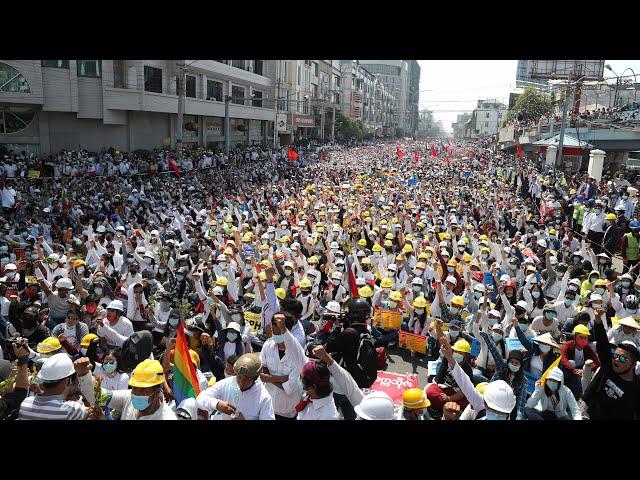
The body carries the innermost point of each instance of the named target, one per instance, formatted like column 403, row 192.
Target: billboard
column 562, row 69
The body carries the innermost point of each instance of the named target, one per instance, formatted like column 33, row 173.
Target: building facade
column 131, row 104
column 489, row 115
column 458, row 125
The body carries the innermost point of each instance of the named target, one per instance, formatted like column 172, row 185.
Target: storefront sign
column 282, row 122
column 303, row 121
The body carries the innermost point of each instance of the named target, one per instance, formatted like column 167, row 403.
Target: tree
column 530, row 106
column 348, row 128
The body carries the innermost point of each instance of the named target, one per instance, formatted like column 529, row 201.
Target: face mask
column 83, row 351
column 162, row 271
column 494, row 416
column 458, row 357
column 109, row 367
column 232, row 336
column 514, row 368
column 496, row 336
column 535, row 294
column 377, row 254
column 553, row 385
column 576, row 260
column 386, row 290
column 80, row 270
column 10, row 274
column 599, row 291
column 179, row 278
column 419, row 311
column 278, row 338
column 544, row 348
column 549, row 315
column 416, row 288
column 450, row 269
column 454, row 310
column 581, row 342
column 139, row 402
column 174, row 321
column 393, row 305
column 626, row 284
column 454, row 333
column 568, row 302
column 111, row 316
column 288, row 271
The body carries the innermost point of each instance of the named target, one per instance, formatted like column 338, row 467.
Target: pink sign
column 393, row 384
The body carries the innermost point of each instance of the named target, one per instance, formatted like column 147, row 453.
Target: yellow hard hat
column 227, row 251
column 368, row 219
column 462, row 346
column 377, row 248
column 485, row 249
column 610, row 216
column 553, row 231
column 265, row 263
column 600, row 283
column 148, row 373
column 376, row 229
column 395, row 296
column 195, row 358
column 365, row 292
column 457, row 300
column 86, row 340
column 420, row 302
column 264, row 247
column 212, row 381
column 452, row 263
column 409, row 238
column 467, row 257
column 48, row 345
column 388, row 243
column 573, row 191
column 78, row 263
column 305, row 283
column 285, row 239
column 246, row 238
column 389, row 236
column 423, row 256
column 415, row 398
column 407, row 248
column 383, row 222
column 262, row 276
column 484, row 237
column 386, row 283
column 581, row 329
column 313, row 260
column 362, row 242
column 281, row 293
column 222, row 281
column 481, row 386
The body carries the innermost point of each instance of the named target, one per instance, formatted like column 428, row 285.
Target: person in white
column 116, row 328
column 627, row 329
column 241, row 397
column 553, row 400
column 112, row 379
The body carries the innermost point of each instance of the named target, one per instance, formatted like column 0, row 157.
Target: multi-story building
column 384, row 101
column 458, row 125
column 328, row 98
column 413, row 98
column 488, row 116
column 48, row 105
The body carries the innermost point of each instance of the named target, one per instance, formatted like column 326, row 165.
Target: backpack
column 365, row 369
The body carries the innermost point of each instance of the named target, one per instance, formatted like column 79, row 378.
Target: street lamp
column 564, row 118
column 635, row 82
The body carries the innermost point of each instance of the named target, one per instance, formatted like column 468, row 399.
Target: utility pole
column 562, row 127
column 333, row 126
column 227, row 139
column 180, row 86
column 275, row 122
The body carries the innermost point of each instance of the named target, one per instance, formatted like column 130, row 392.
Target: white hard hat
column 54, row 257
column 10, row 266
column 499, row 396
column 505, row 278
column 141, row 250
column 333, row 307
column 339, row 261
column 56, row 367
column 594, row 297
column 116, row 305
column 271, row 229
column 494, row 313
column 218, row 291
column 522, row 304
column 417, row 281
column 337, row 275
column 234, row 326
column 375, row 406
column 451, row 279
column 222, row 258
column 393, row 267
column 120, row 228
column 155, row 233
column 64, row 283
column 629, row 322
column 542, row 243
column 480, row 288
column 101, row 229
column 334, row 245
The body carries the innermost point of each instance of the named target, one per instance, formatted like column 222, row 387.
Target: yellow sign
column 413, row 342
column 253, row 319
column 33, row 174
column 387, row 319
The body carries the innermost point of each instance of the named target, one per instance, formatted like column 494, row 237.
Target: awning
column 568, row 142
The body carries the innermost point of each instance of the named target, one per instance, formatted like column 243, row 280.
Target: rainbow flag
column 185, row 381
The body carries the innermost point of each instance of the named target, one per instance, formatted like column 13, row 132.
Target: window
column 13, row 119
column 257, row 98
column 299, row 75
column 238, row 95
column 89, row 68
column 315, row 69
column 11, row 80
column 486, row 115
column 214, row 90
column 499, row 114
column 238, row 64
column 226, row 62
column 191, row 86
column 486, row 124
column 258, row 67
column 55, row 63
column 152, row 79
column 119, row 74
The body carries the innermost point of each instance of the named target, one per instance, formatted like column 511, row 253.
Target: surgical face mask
column 544, row 348
column 496, row 336
column 232, row 336
column 288, row 271
column 139, row 402
column 377, row 254
column 419, row 311
column 576, row 260
column 593, row 279
column 179, row 278
column 80, row 270
column 626, row 284
column 494, row 416
column 599, row 291
column 450, row 269
column 162, row 271
column 552, row 238
column 83, row 351
column 454, row 310
column 535, row 294
column 553, row 385
column 417, row 288
column 514, row 368
column 173, row 321
column 568, row 302
column 549, row 315
column 278, row 338
column 393, row 304
column 109, row 367
column 454, row 333
column 10, row 274
column 386, row 290
column 458, row 357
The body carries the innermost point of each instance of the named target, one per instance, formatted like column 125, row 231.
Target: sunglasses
column 620, row 358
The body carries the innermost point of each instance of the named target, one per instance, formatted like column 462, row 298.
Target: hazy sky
column 451, row 87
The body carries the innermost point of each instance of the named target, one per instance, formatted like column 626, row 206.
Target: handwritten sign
column 19, row 253
column 475, row 348
column 513, row 344
column 393, row 384
column 387, row 319
column 413, row 342
column 33, row 174
column 253, row 319
column 433, row 367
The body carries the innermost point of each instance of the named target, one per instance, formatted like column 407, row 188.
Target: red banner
column 393, row 384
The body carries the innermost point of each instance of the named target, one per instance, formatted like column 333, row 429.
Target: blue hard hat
column 592, row 201
column 634, row 224
column 580, row 198
column 100, row 217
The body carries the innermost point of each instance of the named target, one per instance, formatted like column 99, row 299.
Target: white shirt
column 121, row 400
column 8, row 197
column 320, row 409
column 113, row 381
column 116, row 334
column 254, row 403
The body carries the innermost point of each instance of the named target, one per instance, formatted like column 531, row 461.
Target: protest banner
column 393, row 384
column 253, row 319
column 387, row 319
column 413, row 342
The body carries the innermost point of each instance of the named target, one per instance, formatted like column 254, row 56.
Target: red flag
column 417, row 155
column 399, row 153
column 174, row 166
column 519, row 150
column 292, row 154
column 352, row 280
column 433, row 151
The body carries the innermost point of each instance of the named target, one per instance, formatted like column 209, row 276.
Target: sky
column 451, row 87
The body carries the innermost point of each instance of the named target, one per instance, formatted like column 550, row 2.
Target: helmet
column 580, row 329
column 222, row 281
column 115, row 305
column 396, row 296
column 249, row 365
column 631, row 302
column 333, row 307
column 457, row 300
column 305, row 283
column 601, row 283
column 420, row 302
column 611, row 216
column 48, row 345
column 362, row 242
column 64, row 283
column 462, row 346
column 377, row 248
column 556, row 374
column 366, row 261
column 480, row 388
column 281, row 293
column 57, row 367
column 386, row 283
column 499, row 396
column 388, row 243
column 634, row 225
column 452, row 263
column 337, row 276
column 417, row 281
column 415, row 398
column 87, row 339
column 358, row 309
column 11, row 266
column 313, row 260
column 148, row 373
column 375, row 406
column 365, row 291
column 407, row 248
column 265, row 264
column 592, row 202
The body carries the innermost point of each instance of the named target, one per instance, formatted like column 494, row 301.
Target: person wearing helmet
column 614, row 393
column 59, row 302
column 419, row 317
column 627, row 308
column 414, row 405
column 375, row 406
column 612, row 235
column 116, row 328
column 57, row 375
column 573, row 355
column 552, row 400
column 495, row 403
column 630, row 246
column 239, row 397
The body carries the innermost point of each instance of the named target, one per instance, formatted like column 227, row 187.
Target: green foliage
column 531, row 105
column 348, row 128
column 141, row 152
